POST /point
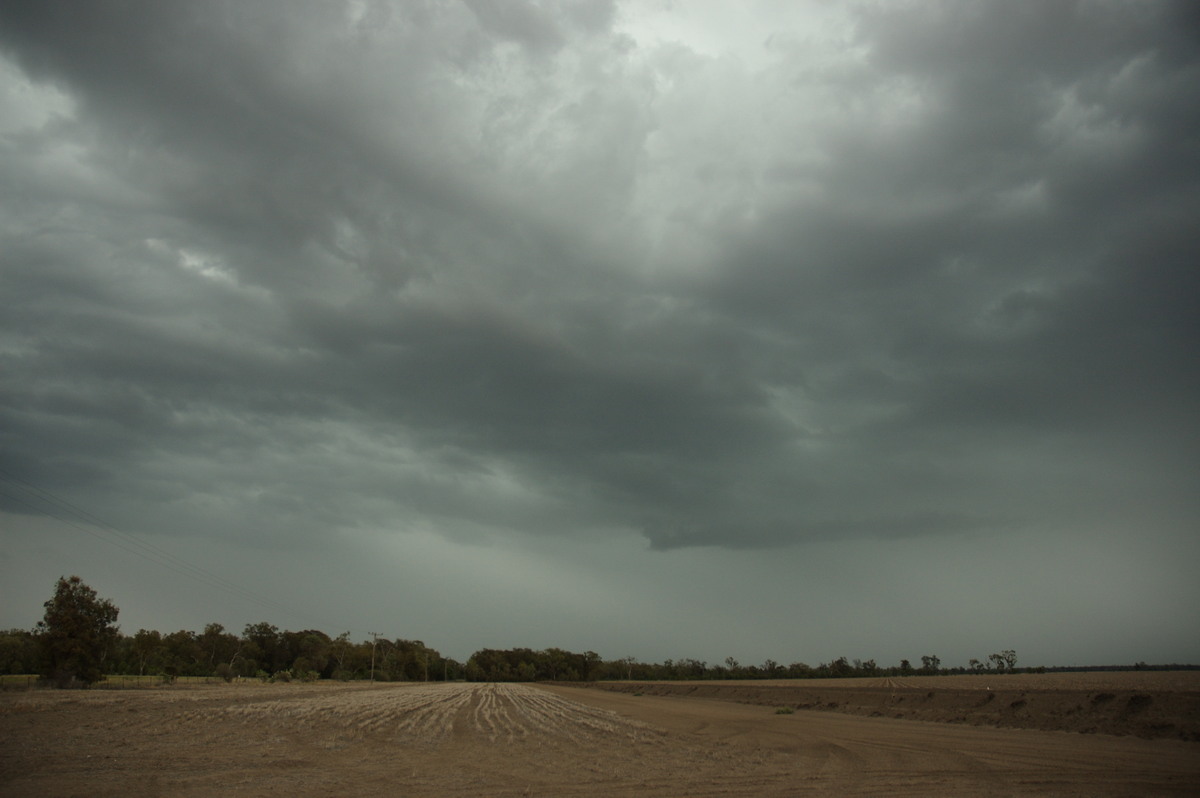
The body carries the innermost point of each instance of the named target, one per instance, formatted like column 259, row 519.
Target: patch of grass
column 784, row 710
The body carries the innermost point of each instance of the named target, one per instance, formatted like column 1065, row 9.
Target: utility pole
column 374, row 641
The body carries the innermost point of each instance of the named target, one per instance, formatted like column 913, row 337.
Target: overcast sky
column 662, row 329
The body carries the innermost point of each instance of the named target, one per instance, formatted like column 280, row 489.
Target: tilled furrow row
column 570, row 715
column 484, row 711
column 432, row 720
column 500, row 713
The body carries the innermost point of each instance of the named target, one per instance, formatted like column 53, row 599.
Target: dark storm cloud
column 307, row 266
column 997, row 266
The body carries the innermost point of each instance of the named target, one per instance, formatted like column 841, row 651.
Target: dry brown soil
column 527, row 740
column 1150, row 704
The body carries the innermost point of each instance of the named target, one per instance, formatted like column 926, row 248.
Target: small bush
column 784, row 711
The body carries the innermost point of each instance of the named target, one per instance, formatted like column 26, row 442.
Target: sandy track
column 497, row 740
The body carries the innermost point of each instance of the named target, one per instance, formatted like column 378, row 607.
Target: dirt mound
column 1024, row 704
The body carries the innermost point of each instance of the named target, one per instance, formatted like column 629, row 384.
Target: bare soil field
column 1150, row 704
column 536, row 740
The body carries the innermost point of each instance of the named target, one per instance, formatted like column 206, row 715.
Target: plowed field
column 526, row 740
column 1150, row 704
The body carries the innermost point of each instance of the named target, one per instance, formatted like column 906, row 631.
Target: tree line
column 522, row 664
column 78, row 643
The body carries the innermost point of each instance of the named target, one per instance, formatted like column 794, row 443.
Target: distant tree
column 930, row 664
column 553, row 663
column 906, row 668
column 312, row 645
column 588, row 664
column 839, row 668
column 146, row 650
column 339, row 648
column 799, row 670
column 1004, row 661
column 489, row 664
column 76, row 634
column 182, row 654
column 18, row 651
column 263, row 647
column 218, row 647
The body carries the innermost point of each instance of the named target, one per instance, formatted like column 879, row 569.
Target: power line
column 129, row 542
column 61, row 510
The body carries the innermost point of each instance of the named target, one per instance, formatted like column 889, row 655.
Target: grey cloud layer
column 477, row 268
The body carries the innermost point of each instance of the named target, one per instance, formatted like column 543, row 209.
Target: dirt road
column 524, row 740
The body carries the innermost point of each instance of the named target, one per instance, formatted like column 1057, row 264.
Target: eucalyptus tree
column 76, row 635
